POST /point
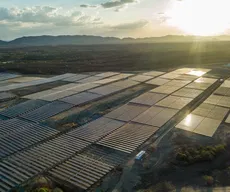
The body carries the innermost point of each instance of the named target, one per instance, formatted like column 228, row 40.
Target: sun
column 200, row 17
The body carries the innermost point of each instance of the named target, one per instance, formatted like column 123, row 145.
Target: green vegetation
column 129, row 57
column 190, row 155
column 208, row 180
column 162, row 187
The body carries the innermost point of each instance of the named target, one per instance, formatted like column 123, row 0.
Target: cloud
column 131, row 26
column 47, row 15
column 88, row 6
column 117, row 3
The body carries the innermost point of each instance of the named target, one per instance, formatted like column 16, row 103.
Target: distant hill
column 93, row 40
column 2, row 43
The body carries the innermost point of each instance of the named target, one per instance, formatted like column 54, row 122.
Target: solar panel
column 24, row 137
column 90, row 79
column 6, row 76
column 156, row 116
column 41, row 94
column 225, row 91
column 174, row 102
column 29, row 163
column 81, row 171
column 67, row 86
column 58, row 95
column 205, row 80
column 171, row 75
column 22, row 108
column 165, row 89
column 97, row 129
column 158, row 81
column 4, row 96
column 127, row 112
column 207, row 127
column 148, row 98
column 186, row 92
column 196, row 85
column 106, row 90
column 141, row 78
column 190, row 123
column 228, row 119
column 177, row 83
column 105, row 81
column 47, row 111
column 211, row 111
column 24, row 79
column 107, row 155
column 226, row 84
column 107, row 74
column 81, row 98
column 129, row 137
column 223, row 101
column 186, row 77
column 76, row 77
column 154, row 73
column 125, row 84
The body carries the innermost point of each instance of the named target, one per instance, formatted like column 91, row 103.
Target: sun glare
column 200, row 17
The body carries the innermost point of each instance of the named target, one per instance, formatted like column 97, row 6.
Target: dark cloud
column 88, row 6
column 131, row 26
column 117, row 3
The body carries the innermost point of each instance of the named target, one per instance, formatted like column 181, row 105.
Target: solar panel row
column 107, row 155
column 18, row 168
column 97, row 129
column 23, row 107
column 129, row 137
column 81, row 171
column 4, row 96
column 47, row 111
column 30, row 134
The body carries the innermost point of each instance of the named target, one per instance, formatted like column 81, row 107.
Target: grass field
column 133, row 57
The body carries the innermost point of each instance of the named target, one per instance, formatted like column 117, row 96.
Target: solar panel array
column 223, row 101
column 224, row 91
column 6, row 76
column 207, row 117
column 76, row 77
column 211, row 111
column 34, row 83
column 97, row 129
column 106, row 155
column 148, row 99
column 186, row 92
column 81, row 98
column 155, row 116
column 174, row 102
column 22, row 108
column 141, row 78
column 200, row 125
column 158, row 81
column 129, row 137
column 81, row 171
column 117, row 134
column 21, row 135
column 127, row 112
column 4, row 96
column 47, row 111
column 19, row 168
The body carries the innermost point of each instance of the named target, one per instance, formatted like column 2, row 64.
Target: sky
column 118, row 18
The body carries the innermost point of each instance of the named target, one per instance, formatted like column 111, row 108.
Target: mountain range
column 94, row 40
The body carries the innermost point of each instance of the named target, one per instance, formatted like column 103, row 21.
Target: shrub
column 208, row 180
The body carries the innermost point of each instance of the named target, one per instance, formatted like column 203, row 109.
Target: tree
column 208, row 180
